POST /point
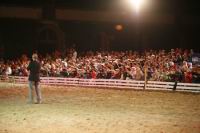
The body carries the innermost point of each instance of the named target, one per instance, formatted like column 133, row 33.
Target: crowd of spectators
column 161, row 65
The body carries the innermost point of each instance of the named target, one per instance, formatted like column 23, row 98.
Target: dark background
column 18, row 36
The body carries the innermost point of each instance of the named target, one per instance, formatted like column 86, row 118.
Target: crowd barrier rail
column 109, row 83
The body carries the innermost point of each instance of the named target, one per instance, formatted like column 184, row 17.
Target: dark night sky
column 160, row 6
column 18, row 35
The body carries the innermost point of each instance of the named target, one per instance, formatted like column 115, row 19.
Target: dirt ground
column 94, row 110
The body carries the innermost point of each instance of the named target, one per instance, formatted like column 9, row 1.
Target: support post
column 175, row 85
column 145, row 77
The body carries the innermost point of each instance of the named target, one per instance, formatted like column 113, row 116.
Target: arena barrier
column 109, row 83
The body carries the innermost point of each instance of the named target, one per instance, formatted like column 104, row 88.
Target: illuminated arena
column 99, row 66
column 89, row 110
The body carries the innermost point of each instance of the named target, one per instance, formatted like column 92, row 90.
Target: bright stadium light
column 136, row 4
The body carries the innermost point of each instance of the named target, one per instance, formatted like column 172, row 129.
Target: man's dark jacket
column 34, row 68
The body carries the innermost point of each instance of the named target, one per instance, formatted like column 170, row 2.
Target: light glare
column 136, row 4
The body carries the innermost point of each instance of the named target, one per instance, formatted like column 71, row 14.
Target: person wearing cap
column 34, row 79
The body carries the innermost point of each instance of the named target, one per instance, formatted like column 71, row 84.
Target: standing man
column 34, row 79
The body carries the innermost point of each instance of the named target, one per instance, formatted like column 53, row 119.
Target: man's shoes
column 38, row 102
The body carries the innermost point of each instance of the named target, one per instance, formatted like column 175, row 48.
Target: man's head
column 34, row 57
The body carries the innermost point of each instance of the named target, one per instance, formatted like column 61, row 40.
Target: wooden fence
column 109, row 83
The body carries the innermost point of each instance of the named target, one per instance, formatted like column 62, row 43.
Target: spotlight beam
column 136, row 4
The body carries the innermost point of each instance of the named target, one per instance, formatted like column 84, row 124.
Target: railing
column 109, row 83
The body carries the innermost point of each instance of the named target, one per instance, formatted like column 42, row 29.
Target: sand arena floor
column 93, row 110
